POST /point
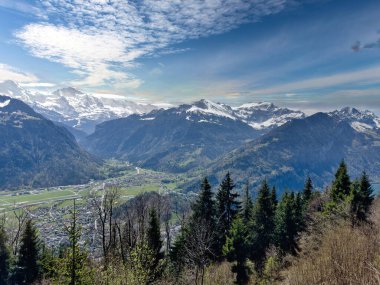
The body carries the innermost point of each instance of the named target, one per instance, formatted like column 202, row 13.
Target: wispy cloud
column 100, row 40
column 38, row 85
column 11, row 73
column 20, row 6
column 369, row 75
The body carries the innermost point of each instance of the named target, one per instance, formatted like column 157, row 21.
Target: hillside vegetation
column 309, row 237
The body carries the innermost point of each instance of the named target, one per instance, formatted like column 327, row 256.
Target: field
column 131, row 183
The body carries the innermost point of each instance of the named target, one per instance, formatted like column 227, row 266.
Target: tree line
column 136, row 246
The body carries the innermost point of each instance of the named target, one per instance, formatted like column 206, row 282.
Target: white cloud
column 38, row 84
column 101, row 39
column 10, row 73
column 370, row 75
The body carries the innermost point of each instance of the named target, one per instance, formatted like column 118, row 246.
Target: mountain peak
column 67, row 91
column 257, row 105
column 207, row 107
column 361, row 121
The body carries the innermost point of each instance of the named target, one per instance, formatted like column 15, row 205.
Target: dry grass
column 339, row 255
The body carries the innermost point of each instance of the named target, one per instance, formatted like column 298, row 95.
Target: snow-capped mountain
column 265, row 115
column 260, row 116
column 74, row 108
column 361, row 121
column 184, row 137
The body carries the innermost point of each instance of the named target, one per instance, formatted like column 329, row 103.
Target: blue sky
column 313, row 55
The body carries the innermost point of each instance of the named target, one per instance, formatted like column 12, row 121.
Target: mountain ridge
column 35, row 152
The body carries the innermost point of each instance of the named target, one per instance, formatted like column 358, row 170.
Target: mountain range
column 253, row 141
column 313, row 146
column 185, row 137
column 75, row 109
column 35, row 152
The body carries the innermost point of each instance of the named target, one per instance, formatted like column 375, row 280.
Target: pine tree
column 341, row 187
column 237, row 249
column 262, row 224
column 362, row 199
column 4, row 257
column 204, row 215
column 27, row 264
column 227, row 208
column 154, row 242
column 273, row 196
column 299, row 213
column 204, row 206
column 75, row 258
column 247, row 211
column 307, row 190
column 286, row 225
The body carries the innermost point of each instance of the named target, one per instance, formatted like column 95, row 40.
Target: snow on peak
column 207, row 107
column 14, row 90
column 360, row 120
column 258, row 105
column 5, row 103
column 264, row 115
column 68, row 91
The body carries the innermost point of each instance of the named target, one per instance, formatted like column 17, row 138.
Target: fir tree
column 273, row 196
column 75, row 258
column 227, row 208
column 204, row 207
column 299, row 213
column 362, row 199
column 237, row 248
column 204, row 215
column 27, row 264
column 4, row 257
column 307, row 190
column 262, row 224
column 154, row 241
column 247, row 211
column 286, row 225
column 341, row 187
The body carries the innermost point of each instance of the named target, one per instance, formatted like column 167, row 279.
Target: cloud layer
column 12, row 73
column 100, row 40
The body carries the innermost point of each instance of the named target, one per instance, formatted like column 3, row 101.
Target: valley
column 50, row 207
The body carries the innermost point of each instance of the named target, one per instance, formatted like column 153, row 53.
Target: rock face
column 310, row 146
column 36, row 152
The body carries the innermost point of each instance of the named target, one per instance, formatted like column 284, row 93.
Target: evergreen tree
column 341, row 187
column 307, row 190
column 286, row 225
column 154, row 241
column 227, row 208
column 274, row 197
column 362, row 199
column 262, row 224
column 204, row 206
column 4, row 257
column 27, row 270
column 247, row 211
column 299, row 213
column 75, row 258
column 204, row 215
column 237, row 248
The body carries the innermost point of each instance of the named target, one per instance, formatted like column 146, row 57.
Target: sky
column 313, row 55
